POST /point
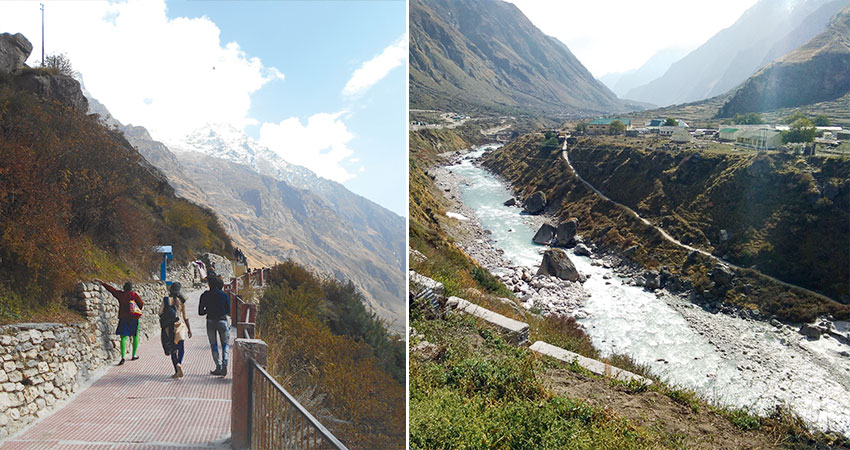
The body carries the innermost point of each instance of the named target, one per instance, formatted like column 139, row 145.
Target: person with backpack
column 175, row 327
column 215, row 304
column 130, row 306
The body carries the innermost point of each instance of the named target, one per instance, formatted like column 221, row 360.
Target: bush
column 58, row 63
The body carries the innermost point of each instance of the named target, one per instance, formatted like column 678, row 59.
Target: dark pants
column 218, row 331
column 177, row 355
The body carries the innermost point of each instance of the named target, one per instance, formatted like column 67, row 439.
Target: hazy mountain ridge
column 485, row 55
column 818, row 71
column 622, row 82
column 275, row 210
column 731, row 55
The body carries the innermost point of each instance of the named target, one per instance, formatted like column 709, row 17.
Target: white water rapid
column 728, row 360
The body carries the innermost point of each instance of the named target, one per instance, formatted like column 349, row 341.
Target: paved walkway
column 138, row 405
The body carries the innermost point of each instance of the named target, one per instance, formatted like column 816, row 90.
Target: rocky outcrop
column 567, row 232
column 61, row 88
column 557, row 263
column 222, row 266
column 510, row 202
column 14, row 50
column 544, row 235
column 536, row 203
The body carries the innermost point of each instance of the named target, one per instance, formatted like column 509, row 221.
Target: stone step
column 597, row 367
column 515, row 332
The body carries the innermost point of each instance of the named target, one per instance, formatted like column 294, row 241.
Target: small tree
column 581, row 128
column 748, row 119
column 793, row 117
column 801, row 130
column 616, row 127
column 821, row 121
column 58, row 63
column 671, row 122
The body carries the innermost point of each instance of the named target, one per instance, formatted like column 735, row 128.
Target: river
column 728, row 360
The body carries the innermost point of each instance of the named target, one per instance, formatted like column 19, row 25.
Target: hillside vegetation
column 784, row 215
column 77, row 200
column 470, row 389
column 335, row 356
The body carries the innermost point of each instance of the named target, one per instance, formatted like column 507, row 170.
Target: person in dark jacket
column 215, row 304
column 127, row 325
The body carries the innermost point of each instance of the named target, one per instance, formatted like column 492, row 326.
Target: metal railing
column 278, row 421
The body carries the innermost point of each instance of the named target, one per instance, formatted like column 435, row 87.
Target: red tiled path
column 138, row 406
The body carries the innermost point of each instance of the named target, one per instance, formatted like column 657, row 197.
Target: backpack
column 169, row 314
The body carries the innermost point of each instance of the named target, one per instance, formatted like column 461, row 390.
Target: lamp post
column 42, row 34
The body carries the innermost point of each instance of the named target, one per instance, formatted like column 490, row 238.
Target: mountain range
column 767, row 30
column 817, row 71
column 622, row 82
column 274, row 210
column 486, row 56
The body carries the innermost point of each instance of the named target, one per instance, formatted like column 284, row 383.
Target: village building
column 759, row 139
column 600, row 126
column 681, row 136
column 728, row 134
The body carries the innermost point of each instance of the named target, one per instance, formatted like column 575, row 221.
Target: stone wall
column 46, row 362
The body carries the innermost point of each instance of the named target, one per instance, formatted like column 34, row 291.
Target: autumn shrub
column 72, row 191
column 323, row 340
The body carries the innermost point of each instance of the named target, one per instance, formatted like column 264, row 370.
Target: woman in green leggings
column 128, row 326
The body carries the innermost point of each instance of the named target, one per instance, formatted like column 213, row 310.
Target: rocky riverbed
column 739, row 361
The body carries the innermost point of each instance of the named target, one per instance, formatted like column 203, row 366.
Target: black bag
column 169, row 314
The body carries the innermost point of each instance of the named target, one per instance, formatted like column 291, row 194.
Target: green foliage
column 751, row 118
column 791, row 118
column 550, row 143
column 802, row 130
column 322, row 338
column 670, row 122
column 743, row 419
column 616, row 127
column 581, row 127
column 821, row 120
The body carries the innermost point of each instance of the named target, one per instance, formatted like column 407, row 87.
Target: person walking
column 130, row 306
column 215, row 304
column 173, row 312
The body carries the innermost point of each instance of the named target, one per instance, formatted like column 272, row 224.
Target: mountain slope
column 485, row 55
column 817, row 71
column 622, row 82
column 730, row 56
column 275, row 210
column 273, row 221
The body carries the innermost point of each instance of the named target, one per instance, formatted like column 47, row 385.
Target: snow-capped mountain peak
column 226, row 142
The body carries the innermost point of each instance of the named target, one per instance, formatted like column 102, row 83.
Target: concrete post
column 244, row 350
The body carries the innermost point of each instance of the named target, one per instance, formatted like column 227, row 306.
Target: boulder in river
column 582, row 250
column 544, row 235
column 557, row 263
column 510, row 202
column 567, row 232
column 535, row 203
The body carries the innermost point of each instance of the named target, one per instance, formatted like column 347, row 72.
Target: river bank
column 729, row 360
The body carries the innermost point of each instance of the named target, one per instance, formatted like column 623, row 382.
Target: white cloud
column 618, row 35
column 320, row 144
column 374, row 70
column 171, row 76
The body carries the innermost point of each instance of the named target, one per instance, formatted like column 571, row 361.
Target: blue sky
column 322, row 83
